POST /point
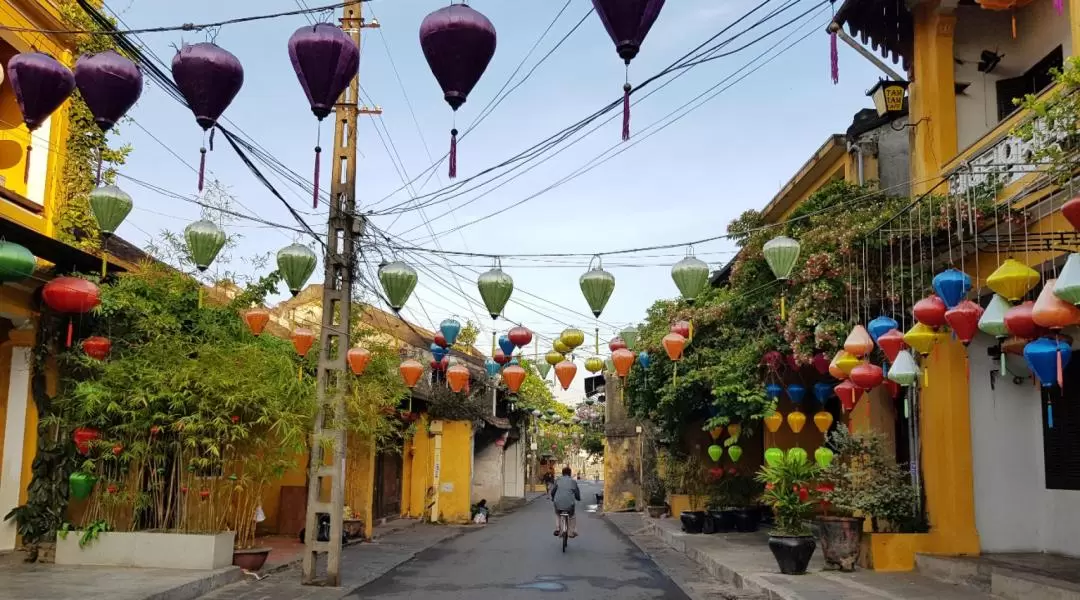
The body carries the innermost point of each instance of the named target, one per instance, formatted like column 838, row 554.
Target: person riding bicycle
column 564, row 495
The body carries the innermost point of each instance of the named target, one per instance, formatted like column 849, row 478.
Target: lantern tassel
column 70, row 332
column 1059, row 6
column 99, row 152
column 626, row 111
column 907, row 408
column 300, row 373
column 675, row 376
column 104, row 263
column 26, row 170
column 1014, row 23
column 202, row 167
column 597, row 340
column 783, row 308
column 1049, row 415
column 926, row 377
column 453, row 153
column 1060, row 371
column 834, row 59
column 690, row 331
column 315, row 195
column 200, row 297
column 493, row 346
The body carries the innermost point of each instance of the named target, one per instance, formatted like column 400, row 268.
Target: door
column 387, row 485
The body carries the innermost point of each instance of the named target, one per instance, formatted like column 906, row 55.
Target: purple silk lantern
column 41, row 85
column 458, row 43
column 110, row 85
column 209, row 77
column 325, row 59
column 628, row 22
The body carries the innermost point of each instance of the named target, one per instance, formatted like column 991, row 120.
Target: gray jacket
column 565, row 493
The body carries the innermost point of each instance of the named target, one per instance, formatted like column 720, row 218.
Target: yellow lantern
column 796, row 421
column 1012, row 280
column 834, row 368
column 572, row 338
column 734, row 430
column 847, row 361
column 823, row 421
column 774, row 421
column 560, row 347
column 553, row 358
column 594, row 364
column 921, row 338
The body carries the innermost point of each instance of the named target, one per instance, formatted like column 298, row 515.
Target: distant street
column 517, row 556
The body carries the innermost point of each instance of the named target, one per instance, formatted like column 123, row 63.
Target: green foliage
column 682, row 474
column 787, row 492
column 466, row 339
column 1056, row 126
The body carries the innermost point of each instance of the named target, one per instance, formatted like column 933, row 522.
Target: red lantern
column 256, row 319
column 623, row 359
column 302, row 339
column 848, row 393
column 821, row 363
column 117, row 450
column 440, row 340
column 673, row 345
column 792, row 362
column 82, row 437
column 204, row 493
column 411, row 372
column 616, row 343
column 97, row 347
column 519, row 336
column 964, row 320
column 358, row 359
column 112, row 489
column 867, row 376
column 1014, row 346
column 930, row 311
column 434, row 365
column 501, row 357
column 565, row 372
column 682, row 328
column 1071, row 211
column 444, row 364
column 1019, row 321
column 457, row 376
column 71, row 295
column 891, row 343
column 717, row 472
column 513, row 375
column 772, row 359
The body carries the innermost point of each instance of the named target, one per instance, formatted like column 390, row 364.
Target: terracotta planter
column 250, row 559
column 792, row 553
column 841, row 538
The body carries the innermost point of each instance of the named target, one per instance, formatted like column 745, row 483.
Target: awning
column 887, row 26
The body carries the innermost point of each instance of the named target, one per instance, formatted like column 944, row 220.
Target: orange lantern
column 302, row 340
column 411, row 371
column 623, row 359
column 256, row 319
column 458, row 376
column 358, row 359
column 673, row 345
column 565, row 372
column 774, row 421
column 1053, row 312
column 716, row 432
column 734, row 430
column 514, row 375
column 858, row 342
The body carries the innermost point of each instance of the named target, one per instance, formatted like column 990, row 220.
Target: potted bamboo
column 787, row 491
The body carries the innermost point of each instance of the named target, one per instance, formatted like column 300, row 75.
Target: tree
column 466, row 340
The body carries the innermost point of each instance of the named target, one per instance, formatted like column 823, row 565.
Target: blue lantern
column 643, row 359
column 1042, row 358
column 774, row 390
column 491, row 366
column 506, row 345
column 823, row 391
column 881, row 326
column 796, row 392
column 513, row 361
column 438, row 352
column 450, row 329
column 952, row 286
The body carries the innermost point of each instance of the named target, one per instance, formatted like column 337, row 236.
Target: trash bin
column 600, row 498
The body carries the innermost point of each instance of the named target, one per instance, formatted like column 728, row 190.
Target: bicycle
column 564, row 526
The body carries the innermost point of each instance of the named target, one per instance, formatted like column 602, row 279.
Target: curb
column 200, row 587
column 296, row 561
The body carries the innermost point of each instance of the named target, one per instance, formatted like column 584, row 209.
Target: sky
column 684, row 183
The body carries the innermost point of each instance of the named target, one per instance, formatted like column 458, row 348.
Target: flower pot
column 708, row 525
column 767, row 516
column 746, row 519
column 692, row 520
column 656, row 511
column 841, row 538
column 250, row 559
column 723, row 520
column 792, row 553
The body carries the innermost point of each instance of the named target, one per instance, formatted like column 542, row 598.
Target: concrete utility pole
column 340, row 262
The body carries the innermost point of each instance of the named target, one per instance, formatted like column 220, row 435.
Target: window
column 1061, row 444
column 1036, row 79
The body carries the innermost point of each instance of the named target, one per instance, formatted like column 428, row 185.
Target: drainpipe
column 437, row 431
column 860, row 164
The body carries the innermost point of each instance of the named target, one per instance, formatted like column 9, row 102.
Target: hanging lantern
column 716, row 453
column 437, row 351
column 992, row 321
column 623, row 359
column 823, row 391
column 823, row 420
column 773, row 360
column 891, row 343
column 398, row 282
column 81, row 485
column 411, row 372
column 209, row 77
column 796, row 392
column 513, row 375
column 964, row 320
column 1071, row 211
column 457, row 376
column 867, row 376
column 903, row 370
column 302, row 340
column 450, row 329
column 440, row 340
column 880, row 326
column 594, row 364
column 493, row 367
column 616, row 343
column 553, row 358
column 796, row 421
column 519, row 336
column 1014, row 345
column 858, row 342
column 920, row 338
column 458, row 43
column 565, row 372
column 110, row 206
column 83, row 437
column 834, row 366
column 846, row 362
column 673, row 345
column 627, row 23
column 544, row 369
column 952, row 286
column 296, row 263
column 1020, row 320
column 716, row 432
column 630, row 336
column 506, row 345
column 1052, row 312
column 773, row 390
column 358, row 359
column 691, row 277
column 774, row 456
column 734, row 430
column 682, row 328
column 597, row 286
column 849, row 394
column 41, row 84
column 110, row 84
column 204, row 241
column 1047, row 358
column 820, row 362
column 71, row 295
column 609, row 366
column 823, row 457
column 734, row 452
column 773, row 421
column 572, row 338
column 495, row 286
column 930, row 311
column 16, row 262
column 97, row 347
column 1068, row 282
column 501, row 357
column 256, row 320
column 1012, row 280
column 781, row 253
column 643, row 359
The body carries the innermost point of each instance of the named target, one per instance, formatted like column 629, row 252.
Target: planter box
column 889, row 551
column 683, row 502
column 149, row 550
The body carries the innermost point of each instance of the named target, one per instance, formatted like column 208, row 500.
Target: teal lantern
column 398, row 281
column 781, row 254
column 110, row 206
column 16, row 262
column 204, row 241
column 597, row 286
column 630, row 336
column 495, row 289
column 296, row 263
column 691, row 277
column 543, row 367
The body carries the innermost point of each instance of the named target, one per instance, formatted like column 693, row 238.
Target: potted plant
column 655, row 494
column 742, row 492
column 787, row 491
column 720, row 518
column 684, row 478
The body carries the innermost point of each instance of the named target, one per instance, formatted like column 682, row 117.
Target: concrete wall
column 488, row 473
column 1007, row 451
column 514, row 470
column 622, row 452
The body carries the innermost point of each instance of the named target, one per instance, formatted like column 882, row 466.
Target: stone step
column 1008, row 581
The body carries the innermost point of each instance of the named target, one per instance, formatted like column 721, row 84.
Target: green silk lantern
column 773, row 456
column 597, row 286
column 398, row 282
column 823, row 457
column 204, row 241
column 781, row 254
column 630, row 336
column 544, row 369
column 797, row 456
column 904, row 371
column 110, row 206
column 691, row 277
column 16, row 262
column 992, row 321
column 735, row 452
column 609, row 366
column 81, row 484
column 716, row 453
column 296, row 263
column 495, row 289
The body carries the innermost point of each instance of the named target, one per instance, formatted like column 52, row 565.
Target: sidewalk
column 745, row 562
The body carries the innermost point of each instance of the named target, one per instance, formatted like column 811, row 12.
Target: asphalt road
column 516, row 556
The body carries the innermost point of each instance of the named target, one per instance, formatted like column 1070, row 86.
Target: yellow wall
column 455, row 471
column 455, row 478
column 417, row 471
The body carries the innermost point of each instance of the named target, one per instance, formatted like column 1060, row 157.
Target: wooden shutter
column 1061, row 444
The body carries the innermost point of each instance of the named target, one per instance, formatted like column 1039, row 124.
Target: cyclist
column 564, row 495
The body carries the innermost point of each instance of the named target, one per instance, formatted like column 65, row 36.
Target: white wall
column 1039, row 29
column 514, row 471
column 488, row 474
column 1014, row 512
column 17, row 399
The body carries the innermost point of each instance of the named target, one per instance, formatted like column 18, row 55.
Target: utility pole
column 340, row 262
